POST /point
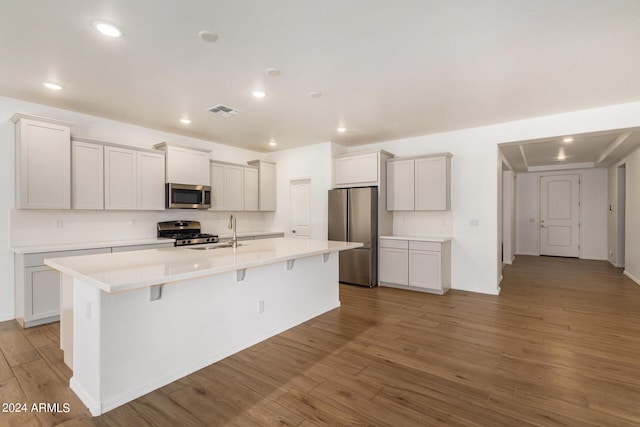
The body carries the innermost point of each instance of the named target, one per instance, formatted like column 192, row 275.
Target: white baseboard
column 528, row 253
column 630, row 276
column 93, row 406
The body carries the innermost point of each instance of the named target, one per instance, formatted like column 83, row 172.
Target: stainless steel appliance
column 185, row 233
column 185, row 196
column 353, row 217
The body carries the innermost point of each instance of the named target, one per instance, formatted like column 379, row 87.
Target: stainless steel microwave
column 185, row 196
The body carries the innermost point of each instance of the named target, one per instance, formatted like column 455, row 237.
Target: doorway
column 300, row 208
column 560, row 215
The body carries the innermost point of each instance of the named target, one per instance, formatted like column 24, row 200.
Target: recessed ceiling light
column 273, row 143
column 185, row 121
column 569, row 139
column 341, row 130
column 107, row 28
column 273, row 72
column 315, row 94
column 258, row 94
column 561, row 158
column 52, row 86
column 208, row 36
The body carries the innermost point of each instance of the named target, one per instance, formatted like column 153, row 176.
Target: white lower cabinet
column 37, row 287
column 416, row 264
column 394, row 259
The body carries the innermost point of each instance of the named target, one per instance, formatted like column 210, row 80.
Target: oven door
column 183, row 196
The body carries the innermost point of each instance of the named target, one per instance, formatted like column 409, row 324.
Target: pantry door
column 560, row 215
column 300, row 208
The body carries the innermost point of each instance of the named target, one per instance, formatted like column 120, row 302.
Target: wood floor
column 559, row 346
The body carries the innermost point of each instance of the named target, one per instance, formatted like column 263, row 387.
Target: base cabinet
column 416, row 265
column 37, row 287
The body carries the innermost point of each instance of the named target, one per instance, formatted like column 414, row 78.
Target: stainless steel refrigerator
column 353, row 217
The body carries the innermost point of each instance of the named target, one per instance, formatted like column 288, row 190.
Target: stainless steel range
column 185, row 233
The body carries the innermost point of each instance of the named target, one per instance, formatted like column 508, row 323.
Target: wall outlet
column 133, row 223
column 59, row 224
column 260, row 306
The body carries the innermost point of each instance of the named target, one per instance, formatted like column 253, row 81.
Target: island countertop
column 116, row 272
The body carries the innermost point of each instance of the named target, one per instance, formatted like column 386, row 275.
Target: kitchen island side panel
column 147, row 344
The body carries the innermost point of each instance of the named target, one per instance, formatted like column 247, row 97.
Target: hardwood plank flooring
column 559, row 346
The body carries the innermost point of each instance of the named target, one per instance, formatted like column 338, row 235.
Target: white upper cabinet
column 87, row 175
column 250, row 189
column 227, row 187
column 421, row 184
column 234, row 188
column 186, row 165
column 218, row 187
column 120, row 178
column 266, row 185
column 359, row 170
column 43, row 163
column 400, row 185
column 150, row 186
column 134, row 180
column 433, row 183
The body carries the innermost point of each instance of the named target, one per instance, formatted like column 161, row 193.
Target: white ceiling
column 601, row 149
column 386, row 69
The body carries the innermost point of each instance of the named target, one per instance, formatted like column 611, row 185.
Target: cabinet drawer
column 392, row 243
column 425, row 246
column 33, row 260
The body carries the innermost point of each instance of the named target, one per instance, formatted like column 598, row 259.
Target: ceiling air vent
column 224, row 111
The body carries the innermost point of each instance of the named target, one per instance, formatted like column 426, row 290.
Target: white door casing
column 560, row 215
column 300, row 208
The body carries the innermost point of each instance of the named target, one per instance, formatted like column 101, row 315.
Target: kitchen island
column 141, row 320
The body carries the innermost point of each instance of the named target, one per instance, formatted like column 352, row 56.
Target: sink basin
column 211, row 247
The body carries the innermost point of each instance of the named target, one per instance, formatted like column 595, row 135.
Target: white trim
column 94, row 407
column 560, row 167
column 528, row 253
column 630, row 276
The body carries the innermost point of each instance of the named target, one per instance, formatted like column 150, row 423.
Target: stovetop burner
column 185, row 233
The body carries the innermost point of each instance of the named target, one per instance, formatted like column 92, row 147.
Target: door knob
column 293, row 231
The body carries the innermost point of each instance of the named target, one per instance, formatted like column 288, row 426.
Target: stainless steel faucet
column 232, row 226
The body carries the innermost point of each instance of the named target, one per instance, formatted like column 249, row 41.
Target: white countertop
column 438, row 239
column 55, row 247
column 117, row 272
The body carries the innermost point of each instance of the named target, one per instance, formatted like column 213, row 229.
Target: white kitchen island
column 137, row 321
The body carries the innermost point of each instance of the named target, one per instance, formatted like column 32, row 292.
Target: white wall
column 632, row 225
column 593, row 212
column 474, row 179
column 508, row 216
column 313, row 162
column 27, row 227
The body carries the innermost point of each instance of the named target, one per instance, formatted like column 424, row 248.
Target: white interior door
column 560, row 215
column 300, row 206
